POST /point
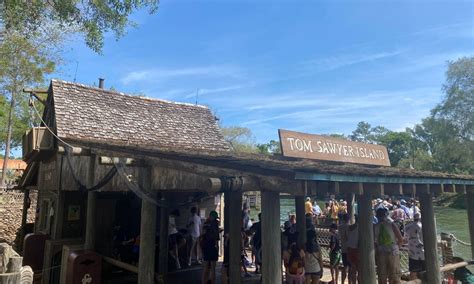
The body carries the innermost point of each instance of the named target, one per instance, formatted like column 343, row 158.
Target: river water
column 448, row 220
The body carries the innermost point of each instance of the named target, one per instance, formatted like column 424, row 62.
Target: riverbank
column 451, row 200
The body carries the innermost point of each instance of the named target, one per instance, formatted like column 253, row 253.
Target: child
column 335, row 253
column 293, row 259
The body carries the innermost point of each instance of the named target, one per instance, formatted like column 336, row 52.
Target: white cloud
column 160, row 74
column 340, row 112
column 336, row 62
column 206, row 91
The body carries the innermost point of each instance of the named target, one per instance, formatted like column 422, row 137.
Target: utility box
column 33, row 250
column 84, row 267
column 37, row 143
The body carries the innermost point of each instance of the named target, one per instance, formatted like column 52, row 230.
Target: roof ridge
column 127, row 95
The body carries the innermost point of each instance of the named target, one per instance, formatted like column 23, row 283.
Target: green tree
column 270, row 148
column 22, row 63
column 457, row 107
column 240, row 138
column 91, row 18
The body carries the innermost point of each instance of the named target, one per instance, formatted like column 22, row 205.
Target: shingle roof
column 87, row 113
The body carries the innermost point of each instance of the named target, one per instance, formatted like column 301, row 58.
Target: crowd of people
column 396, row 223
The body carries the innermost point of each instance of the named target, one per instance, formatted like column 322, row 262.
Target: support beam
column 271, row 242
column 89, row 243
column 470, row 216
column 350, row 199
column 235, row 226
column 300, row 219
column 226, row 217
column 366, row 239
column 146, row 258
column 429, row 235
column 163, row 252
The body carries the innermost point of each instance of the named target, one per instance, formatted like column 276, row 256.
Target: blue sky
column 317, row 67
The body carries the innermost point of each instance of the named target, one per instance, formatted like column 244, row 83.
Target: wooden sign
column 318, row 147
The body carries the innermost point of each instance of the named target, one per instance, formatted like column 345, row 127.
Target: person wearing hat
column 388, row 240
column 416, row 253
column 403, row 205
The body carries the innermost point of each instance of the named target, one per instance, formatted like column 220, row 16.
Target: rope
column 135, row 188
column 105, row 179
column 118, row 167
column 459, row 241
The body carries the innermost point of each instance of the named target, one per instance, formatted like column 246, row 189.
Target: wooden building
column 161, row 154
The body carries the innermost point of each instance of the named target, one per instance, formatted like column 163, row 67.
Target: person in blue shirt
column 403, row 206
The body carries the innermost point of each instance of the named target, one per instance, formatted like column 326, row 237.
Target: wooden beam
column 271, row 242
column 393, row 189
column 165, row 179
column 366, row 243
column 146, row 258
column 89, row 243
column 380, row 179
column 470, row 216
column 429, row 234
column 437, row 189
column 235, row 226
column 76, row 151
column 350, row 199
column 293, row 187
column 336, row 188
column 300, row 219
column 461, row 189
column 163, row 251
column 409, row 189
column 374, row 189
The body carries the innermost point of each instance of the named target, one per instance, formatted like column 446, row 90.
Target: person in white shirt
column 194, row 227
column 416, row 253
column 173, row 237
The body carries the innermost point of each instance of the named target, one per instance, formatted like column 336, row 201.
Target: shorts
column 210, row 254
column 319, row 273
column 353, row 257
column 173, row 239
column 388, row 266
column 416, row 265
column 334, row 258
column 345, row 260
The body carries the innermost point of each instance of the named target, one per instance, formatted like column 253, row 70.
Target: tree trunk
column 8, row 141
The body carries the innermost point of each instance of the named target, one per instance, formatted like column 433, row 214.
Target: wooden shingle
column 98, row 115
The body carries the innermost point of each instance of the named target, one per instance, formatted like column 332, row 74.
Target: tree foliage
column 92, row 18
column 270, row 148
column 240, row 138
column 23, row 63
column 457, row 107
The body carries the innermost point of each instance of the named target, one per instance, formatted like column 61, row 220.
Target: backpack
column 385, row 238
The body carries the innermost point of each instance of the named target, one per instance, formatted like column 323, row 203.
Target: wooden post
column 163, row 253
column 429, row 235
column 350, row 198
column 366, row 239
column 227, row 201
column 300, row 219
column 470, row 216
column 89, row 243
column 271, row 238
column 146, row 258
column 235, row 226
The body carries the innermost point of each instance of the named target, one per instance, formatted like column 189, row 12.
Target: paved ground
column 192, row 275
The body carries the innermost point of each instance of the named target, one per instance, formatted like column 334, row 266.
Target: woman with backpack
column 293, row 259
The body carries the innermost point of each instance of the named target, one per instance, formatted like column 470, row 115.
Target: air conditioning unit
column 37, row 142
